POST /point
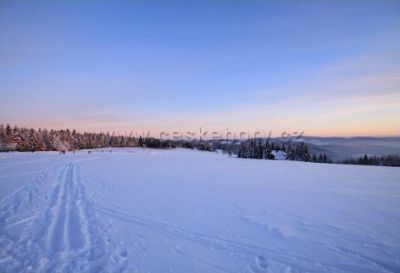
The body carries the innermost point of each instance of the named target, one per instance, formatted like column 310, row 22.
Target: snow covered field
column 138, row 210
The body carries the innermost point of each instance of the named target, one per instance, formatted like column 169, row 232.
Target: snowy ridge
column 61, row 234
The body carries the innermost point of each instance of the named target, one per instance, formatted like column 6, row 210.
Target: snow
column 279, row 155
column 143, row 210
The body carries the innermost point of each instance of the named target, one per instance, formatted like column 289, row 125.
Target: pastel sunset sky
column 328, row 68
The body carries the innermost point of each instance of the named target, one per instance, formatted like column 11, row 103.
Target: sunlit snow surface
column 143, row 210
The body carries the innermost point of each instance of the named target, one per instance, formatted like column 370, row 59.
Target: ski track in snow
column 49, row 225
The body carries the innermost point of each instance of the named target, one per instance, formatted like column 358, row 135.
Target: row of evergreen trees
column 322, row 158
column 257, row 149
column 28, row 139
column 24, row 139
column 266, row 149
column 389, row 160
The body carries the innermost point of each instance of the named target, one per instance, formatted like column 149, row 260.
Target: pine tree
column 8, row 130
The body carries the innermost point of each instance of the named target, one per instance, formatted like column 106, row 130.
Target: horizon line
column 149, row 133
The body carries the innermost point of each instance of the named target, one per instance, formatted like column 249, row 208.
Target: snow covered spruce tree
column 298, row 153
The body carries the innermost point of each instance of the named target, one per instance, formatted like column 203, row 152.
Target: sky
column 327, row 68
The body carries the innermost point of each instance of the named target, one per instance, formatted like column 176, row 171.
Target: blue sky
column 322, row 67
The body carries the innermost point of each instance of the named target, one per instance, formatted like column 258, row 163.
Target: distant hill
column 339, row 148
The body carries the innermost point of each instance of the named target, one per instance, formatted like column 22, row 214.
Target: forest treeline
column 28, row 139
column 388, row 160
